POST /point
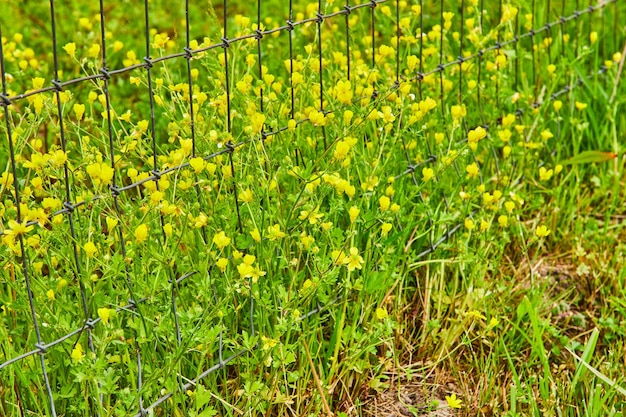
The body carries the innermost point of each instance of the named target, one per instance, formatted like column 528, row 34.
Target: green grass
column 227, row 255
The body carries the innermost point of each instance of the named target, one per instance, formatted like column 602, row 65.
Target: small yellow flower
column 503, row 220
column 453, row 401
column 381, row 313
column 469, row 224
column 472, row 170
column 79, row 110
column 197, row 164
column 545, row 174
column 17, row 229
column 50, row 295
column 354, row 213
column 77, row 353
column 38, row 82
column 256, row 235
column 90, row 249
column 221, row 240
column 558, row 104
column 105, row 314
column 385, row 228
column 141, row 233
column 542, row 231
column 274, row 232
column 580, row 106
column 246, row 196
column 249, row 259
column 168, row 230
column 354, row 260
column 427, row 174
column 111, row 223
column 222, row 263
column 458, row 111
column 384, row 202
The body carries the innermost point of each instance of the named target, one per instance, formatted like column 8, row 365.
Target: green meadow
column 282, row 208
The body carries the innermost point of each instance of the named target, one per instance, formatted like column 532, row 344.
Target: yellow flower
column 311, row 215
column 245, row 270
column 326, row 226
column 384, row 202
column 197, row 164
column 472, row 170
column 593, row 37
column 70, row 48
column 111, row 223
column 50, row 295
column 90, row 249
column 77, row 353
column 385, row 228
column 141, row 233
column 508, row 13
column 246, row 196
column 306, row 285
column 381, row 313
column 427, row 174
column 453, row 401
column 354, row 213
column 354, row 260
column 256, row 122
column 38, row 82
column 168, row 230
column 38, row 104
column 79, row 110
column 469, row 224
column 93, row 51
column 17, row 229
column 503, row 220
column 545, row 174
column 105, row 314
column 458, row 111
column 268, row 343
column 221, row 240
column 580, row 106
column 557, row 105
column 474, row 136
column 274, row 232
column 493, row 322
column 542, row 231
column 256, row 235
column 222, row 263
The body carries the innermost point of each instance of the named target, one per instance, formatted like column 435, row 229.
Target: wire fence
column 540, row 33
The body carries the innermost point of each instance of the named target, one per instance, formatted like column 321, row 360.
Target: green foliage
column 305, row 229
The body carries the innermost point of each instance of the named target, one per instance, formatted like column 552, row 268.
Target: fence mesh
column 163, row 139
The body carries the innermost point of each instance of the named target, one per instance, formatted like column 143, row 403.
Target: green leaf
column 587, row 157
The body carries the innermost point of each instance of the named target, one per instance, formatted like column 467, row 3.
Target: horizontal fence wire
column 117, row 189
